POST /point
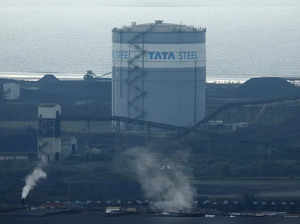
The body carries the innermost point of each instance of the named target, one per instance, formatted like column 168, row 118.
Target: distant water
column 34, row 76
column 242, row 42
column 98, row 218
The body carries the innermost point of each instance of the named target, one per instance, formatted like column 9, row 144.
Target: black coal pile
column 267, row 87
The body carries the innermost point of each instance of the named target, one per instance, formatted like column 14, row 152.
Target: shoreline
column 76, row 76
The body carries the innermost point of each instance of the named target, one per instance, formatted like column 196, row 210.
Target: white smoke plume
column 164, row 183
column 31, row 181
column 37, row 174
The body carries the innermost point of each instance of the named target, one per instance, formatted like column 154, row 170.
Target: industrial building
column 49, row 136
column 52, row 146
column 11, row 91
column 159, row 73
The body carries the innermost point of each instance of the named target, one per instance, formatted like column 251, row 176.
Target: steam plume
column 31, row 181
column 167, row 184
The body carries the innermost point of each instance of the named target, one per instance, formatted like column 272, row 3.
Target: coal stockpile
column 80, row 100
column 266, row 87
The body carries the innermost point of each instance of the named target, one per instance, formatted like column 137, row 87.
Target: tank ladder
column 136, row 77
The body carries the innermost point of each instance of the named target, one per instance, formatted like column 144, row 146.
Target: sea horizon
column 221, row 78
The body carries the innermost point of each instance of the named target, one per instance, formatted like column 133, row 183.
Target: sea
column 245, row 39
column 93, row 218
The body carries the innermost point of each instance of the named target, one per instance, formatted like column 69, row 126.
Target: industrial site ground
column 225, row 160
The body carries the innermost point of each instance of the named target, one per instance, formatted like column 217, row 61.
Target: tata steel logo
column 159, row 55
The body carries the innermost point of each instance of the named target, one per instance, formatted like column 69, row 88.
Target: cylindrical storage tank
column 159, row 73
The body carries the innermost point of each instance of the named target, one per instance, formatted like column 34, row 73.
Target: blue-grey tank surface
column 159, row 73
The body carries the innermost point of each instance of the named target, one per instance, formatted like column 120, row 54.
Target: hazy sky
column 87, row 3
column 75, row 35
